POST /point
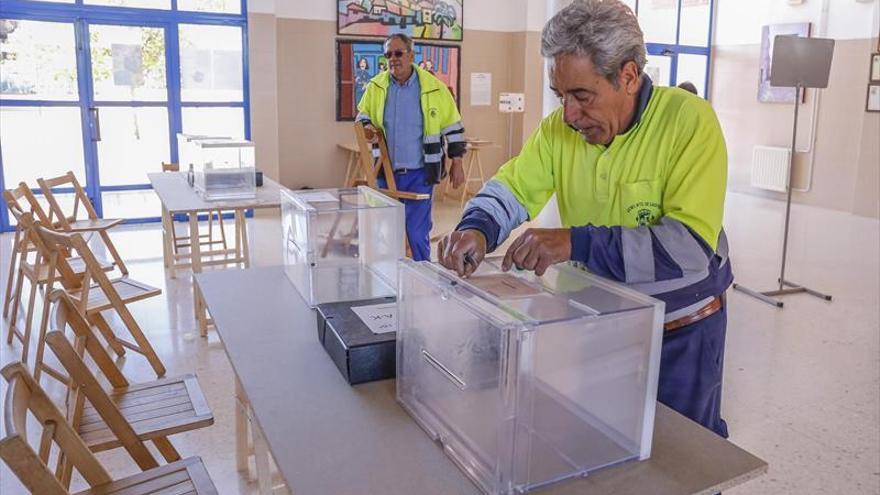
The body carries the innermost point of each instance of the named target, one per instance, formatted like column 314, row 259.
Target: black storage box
column 361, row 355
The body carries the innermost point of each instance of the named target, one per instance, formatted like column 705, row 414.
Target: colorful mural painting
column 419, row 19
column 358, row 61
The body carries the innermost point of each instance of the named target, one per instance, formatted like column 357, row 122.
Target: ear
column 629, row 77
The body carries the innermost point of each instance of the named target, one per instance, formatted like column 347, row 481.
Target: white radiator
column 770, row 167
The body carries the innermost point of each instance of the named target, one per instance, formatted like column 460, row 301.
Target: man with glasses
column 639, row 173
column 417, row 113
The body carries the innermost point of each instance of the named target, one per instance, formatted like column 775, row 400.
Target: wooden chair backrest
column 383, row 165
column 31, row 467
column 55, row 255
column 57, row 215
column 170, row 167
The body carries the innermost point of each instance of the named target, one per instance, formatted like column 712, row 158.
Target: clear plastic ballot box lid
column 528, row 380
column 341, row 244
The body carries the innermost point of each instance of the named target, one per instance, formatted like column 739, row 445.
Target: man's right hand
column 371, row 134
column 462, row 251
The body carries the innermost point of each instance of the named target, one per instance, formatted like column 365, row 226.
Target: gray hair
column 402, row 37
column 607, row 31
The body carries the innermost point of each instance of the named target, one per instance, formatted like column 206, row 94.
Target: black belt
column 404, row 171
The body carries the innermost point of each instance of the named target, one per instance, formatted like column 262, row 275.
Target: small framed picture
column 875, row 67
column 873, row 103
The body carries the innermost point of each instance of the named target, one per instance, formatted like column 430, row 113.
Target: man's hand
column 456, row 173
column 462, row 251
column 371, row 134
column 537, row 249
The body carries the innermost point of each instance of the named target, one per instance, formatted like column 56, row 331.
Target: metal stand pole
column 785, row 287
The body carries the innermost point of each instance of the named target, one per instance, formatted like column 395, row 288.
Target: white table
column 329, row 437
column 178, row 197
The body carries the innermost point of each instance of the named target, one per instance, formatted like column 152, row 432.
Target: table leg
column 241, row 428
column 261, row 461
column 242, row 229
column 195, row 250
column 167, row 240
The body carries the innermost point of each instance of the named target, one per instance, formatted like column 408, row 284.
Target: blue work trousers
column 417, row 212
column 691, row 363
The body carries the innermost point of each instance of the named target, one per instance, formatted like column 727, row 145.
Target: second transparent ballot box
column 341, row 244
column 528, row 380
column 223, row 168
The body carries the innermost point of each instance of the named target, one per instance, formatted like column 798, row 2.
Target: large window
column 102, row 87
column 678, row 37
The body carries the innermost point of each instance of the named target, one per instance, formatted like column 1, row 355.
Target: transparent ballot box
column 341, row 244
column 528, row 380
column 224, row 168
column 186, row 149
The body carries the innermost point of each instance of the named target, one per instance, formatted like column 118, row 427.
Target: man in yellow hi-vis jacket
column 418, row 114
column 639, row 174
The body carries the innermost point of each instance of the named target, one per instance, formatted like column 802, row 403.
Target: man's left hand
column 456, row 173
column 537, row 249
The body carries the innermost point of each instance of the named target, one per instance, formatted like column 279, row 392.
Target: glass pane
column 134, row 142
column 225, row 122
column 695, row 21
column 142, row 4
column 224, row 6
column 692, row 68
column 659, row 68
column 131, row 204
column 210, row 63
column 128, row 63
column 25, row 133
column 658, row 19
column 37, row 60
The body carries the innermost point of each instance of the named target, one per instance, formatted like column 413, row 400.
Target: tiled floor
column 802, row 384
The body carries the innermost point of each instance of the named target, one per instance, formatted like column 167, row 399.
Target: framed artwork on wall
column 419, row 19
column 766, row 92
column 358, row 61
column 875, row 68
column 873, row 102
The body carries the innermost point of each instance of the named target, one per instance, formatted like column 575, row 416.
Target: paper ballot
column 379, row 318
column 504, row 285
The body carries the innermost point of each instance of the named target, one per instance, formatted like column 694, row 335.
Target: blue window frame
column 684, row 52
column 81, row 15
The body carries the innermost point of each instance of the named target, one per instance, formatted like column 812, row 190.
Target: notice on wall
column 511, row 102
column 481, row 89
column 379, row 318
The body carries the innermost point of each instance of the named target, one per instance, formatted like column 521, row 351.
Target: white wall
column 739, row 22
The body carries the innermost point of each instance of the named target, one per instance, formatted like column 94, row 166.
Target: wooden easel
column 370, row 171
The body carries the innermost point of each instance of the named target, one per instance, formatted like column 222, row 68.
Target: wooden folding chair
column 92, row 299
column 36, row 272
column 58, row 219
column 206, row 239
column 32, row 467
column 153, row 410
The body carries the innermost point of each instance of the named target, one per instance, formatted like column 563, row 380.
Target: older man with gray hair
column 639, row 173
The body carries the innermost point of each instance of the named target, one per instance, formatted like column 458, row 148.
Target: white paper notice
column 481, row 89
column 379, row 318
column 318, row 197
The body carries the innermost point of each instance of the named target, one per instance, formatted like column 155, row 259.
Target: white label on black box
column 379, row 318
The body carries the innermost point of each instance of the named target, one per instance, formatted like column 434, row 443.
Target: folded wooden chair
column 128, row 414
column 70, row 222
column 24, row 395
column 93, row 293
column 35, row 271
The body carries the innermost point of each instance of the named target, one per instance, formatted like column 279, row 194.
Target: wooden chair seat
column 76, row 264
column 156, row 409
column 94, row 224
column 129, row 291
column 184, row 477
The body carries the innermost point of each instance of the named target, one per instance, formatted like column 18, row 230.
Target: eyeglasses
column 395, row 53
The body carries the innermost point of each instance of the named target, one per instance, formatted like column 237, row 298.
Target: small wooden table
column 178, row 197
column 329, row 437
column 351, row 170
